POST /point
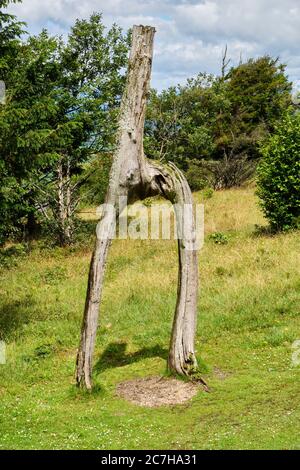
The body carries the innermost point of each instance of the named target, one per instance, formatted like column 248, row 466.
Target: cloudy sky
column 191, row 34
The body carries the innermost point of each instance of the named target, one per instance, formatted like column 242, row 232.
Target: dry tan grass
column 234, row 209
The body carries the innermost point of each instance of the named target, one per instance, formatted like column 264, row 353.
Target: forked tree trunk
column 135, row 177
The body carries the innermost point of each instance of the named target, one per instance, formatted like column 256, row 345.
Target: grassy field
column 249, row 316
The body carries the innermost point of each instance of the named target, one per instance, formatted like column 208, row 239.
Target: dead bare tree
column 135, row 177
column 225, row 63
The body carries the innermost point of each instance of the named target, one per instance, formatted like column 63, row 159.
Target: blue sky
column 191, row 34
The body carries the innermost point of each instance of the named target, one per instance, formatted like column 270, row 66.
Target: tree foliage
column 219, row 122
column 10, row 193
column 279, row 175
column 10, row 27
column 58, row 123
column 62, row 103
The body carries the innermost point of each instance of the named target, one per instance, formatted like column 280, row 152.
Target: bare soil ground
column 157, row 391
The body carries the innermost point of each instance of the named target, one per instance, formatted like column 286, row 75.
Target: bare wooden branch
column 225, row 62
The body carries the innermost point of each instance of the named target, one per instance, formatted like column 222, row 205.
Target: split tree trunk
column 135, row 177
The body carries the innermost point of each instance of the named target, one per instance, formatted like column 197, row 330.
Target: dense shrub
column 220, row 174
column 279, row 175
column 229, row 172
column 197, row 177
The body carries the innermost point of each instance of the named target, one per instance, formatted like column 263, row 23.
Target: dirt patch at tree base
column 157, row 391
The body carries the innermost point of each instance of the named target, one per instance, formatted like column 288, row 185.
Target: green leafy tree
column 260, row 93
column 212, row 126
column 279, row 175
column 10, row 32
column 87, row 97
column 24, row 127
column 177, row 125
column 10, row 27
column 62, row 104
column 10, row 193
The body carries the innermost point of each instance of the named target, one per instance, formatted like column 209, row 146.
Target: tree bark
column 64, row 201
column 135, row 177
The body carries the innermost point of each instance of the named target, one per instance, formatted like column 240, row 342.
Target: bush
column 279, row 175
column 229, row 172
column 208, row 193
column 220, row 174
column 219, row 238
column 9, row 256
column 196, row 177
column 83, row 231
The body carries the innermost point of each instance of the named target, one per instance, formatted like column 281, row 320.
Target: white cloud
column 265, row 21
column 191, row 34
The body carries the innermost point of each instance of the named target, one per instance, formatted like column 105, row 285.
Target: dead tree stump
column 135, row 177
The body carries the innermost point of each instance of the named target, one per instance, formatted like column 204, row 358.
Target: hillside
column 248, row 321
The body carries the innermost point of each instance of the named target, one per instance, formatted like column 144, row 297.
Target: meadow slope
column 249, row 317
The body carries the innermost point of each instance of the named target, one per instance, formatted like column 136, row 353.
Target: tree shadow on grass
column 115, row 356
column 13, row 316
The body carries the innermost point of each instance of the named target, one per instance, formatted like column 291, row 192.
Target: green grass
column 248, row 320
